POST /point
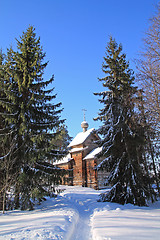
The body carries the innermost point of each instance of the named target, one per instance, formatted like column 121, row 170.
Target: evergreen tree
column 122, row 134
column 62, row 140
column 33, row 119
column 1, row 141
column 7, row 147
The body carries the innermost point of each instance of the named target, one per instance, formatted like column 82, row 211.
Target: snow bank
column 76, row 215
column 126, row 223
column 50, row 222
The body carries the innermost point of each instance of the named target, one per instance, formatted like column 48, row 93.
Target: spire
column 84, row 124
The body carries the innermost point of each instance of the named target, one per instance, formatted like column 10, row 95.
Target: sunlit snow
column 76, row 215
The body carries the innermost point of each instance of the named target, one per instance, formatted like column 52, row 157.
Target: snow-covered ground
column 76, row 215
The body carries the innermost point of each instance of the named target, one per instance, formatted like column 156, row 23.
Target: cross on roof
column 84, row 110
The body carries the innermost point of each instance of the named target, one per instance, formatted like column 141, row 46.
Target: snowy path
column 83, row 204
column 65, row 217
column 76, row 215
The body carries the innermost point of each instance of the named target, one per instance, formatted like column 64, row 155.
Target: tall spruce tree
column 33, row 118
column 9, row 106
column 1, row 139
column 122, row 134
column 7, row 173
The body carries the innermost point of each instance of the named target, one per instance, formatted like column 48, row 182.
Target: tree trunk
column 154, row 165
column 4, row 201
column 16, row 198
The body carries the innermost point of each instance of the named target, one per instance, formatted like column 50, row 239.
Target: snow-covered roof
column 93, row 153
column 81, row 137
column 77, row 149
column 65, row 159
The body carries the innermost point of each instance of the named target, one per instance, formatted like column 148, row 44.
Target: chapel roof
column 81, row 138
column 93, row 153
column 63, row 160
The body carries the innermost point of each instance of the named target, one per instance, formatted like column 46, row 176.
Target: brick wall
column 91, row 173
column 68, row 178
column 77, row 168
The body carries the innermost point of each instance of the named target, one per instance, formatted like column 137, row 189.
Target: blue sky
column 74, row 34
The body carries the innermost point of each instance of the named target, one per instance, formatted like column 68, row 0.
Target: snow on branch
column 9, row 133
column 102, row 163
column 9, row 114
column 6, row 155
column 117, row 121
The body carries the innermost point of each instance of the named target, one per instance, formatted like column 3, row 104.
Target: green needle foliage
column 122, row 135
column 33, row 120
